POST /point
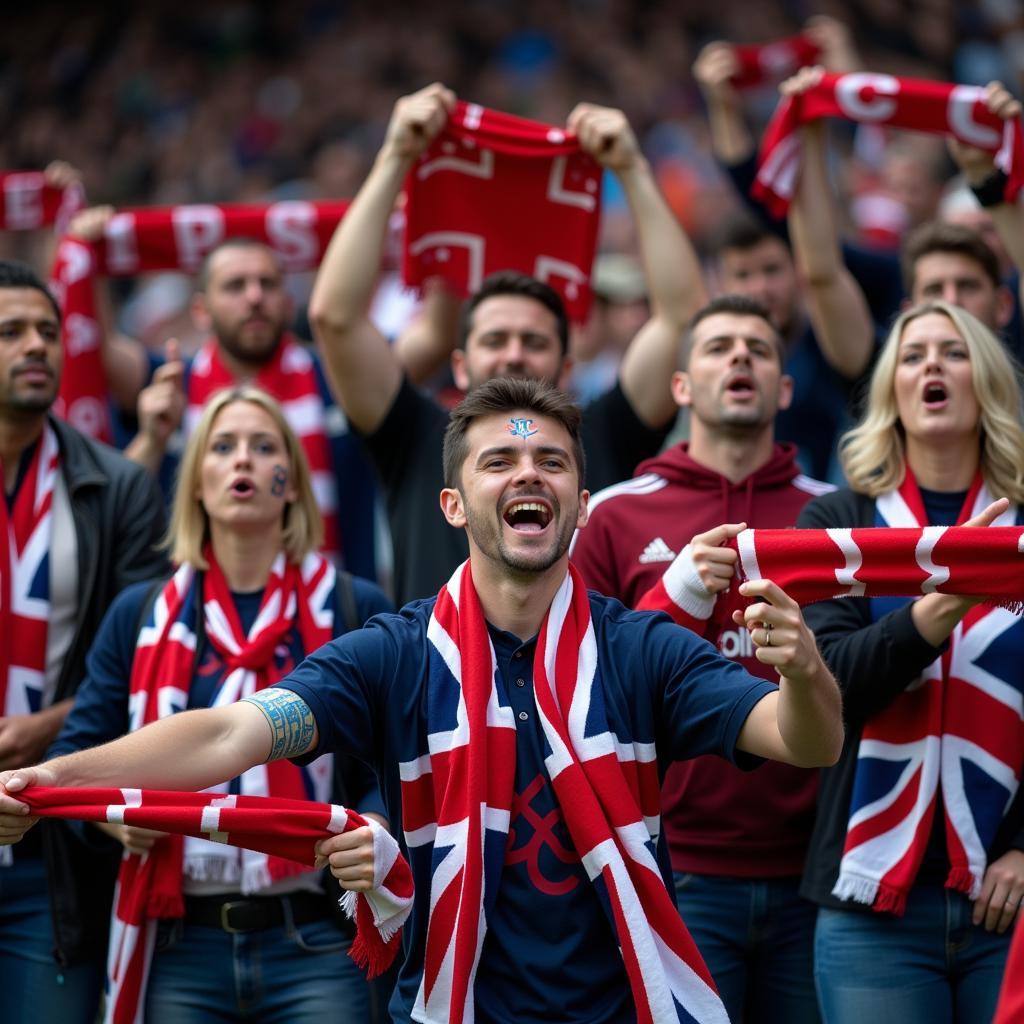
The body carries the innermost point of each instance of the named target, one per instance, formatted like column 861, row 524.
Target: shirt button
column 523, row 716
column 520, row 682
column 518, row 654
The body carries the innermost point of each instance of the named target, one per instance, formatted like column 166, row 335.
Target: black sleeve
column 412, row 417
column 873, row 661
column 615, row 439
column 141, row 515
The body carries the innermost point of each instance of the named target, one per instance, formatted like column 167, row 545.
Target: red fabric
column 290, row 378
column 25, row 533
column 934, row 107
column 149, row 887
column 1011, row 996
column 761, row 63
column 27, row 202
column 164, row 238
column 282, row 829
column 719, row 820
column 815, row 565
column 497, row 192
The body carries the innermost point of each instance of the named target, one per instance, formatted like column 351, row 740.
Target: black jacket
column 119, row 519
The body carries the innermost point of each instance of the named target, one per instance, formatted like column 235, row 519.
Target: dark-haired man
column 78, row 523
column 242, row 303
column 514, row 326
column 737, row 840
column 528, row 799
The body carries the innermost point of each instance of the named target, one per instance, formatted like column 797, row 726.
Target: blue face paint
column 520, row 426
column 279, row 481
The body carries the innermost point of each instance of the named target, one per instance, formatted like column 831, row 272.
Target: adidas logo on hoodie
column 657, row 551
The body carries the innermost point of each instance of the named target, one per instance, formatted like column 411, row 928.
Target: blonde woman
column 916, row 860
column 237, row 935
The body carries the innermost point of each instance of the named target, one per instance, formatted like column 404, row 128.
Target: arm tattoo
column 291, row 721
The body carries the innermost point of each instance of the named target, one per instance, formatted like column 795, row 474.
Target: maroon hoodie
column 718, row 820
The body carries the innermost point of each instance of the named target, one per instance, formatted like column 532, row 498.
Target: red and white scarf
column 762, row 63
column 497, row 192
column 868, row 98
column 290, row 377
column 27, row 202
column 959, row 729
column 150, row 887
column 25, row 542
column 276, row 828
column 164, row 238
column 606, row 786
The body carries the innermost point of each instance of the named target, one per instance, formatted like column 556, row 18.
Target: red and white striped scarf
column 290, row 377
column 150, row 887
column 959, row 729
column 25, row 539
column 605, row 786
column 762, row 63
column 498, row 192
column 27, row 202
column 933, row 107
column 276, row 828
column 164, row 238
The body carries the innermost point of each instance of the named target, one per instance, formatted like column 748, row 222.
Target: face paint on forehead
column 278, row 481
column 520, row 426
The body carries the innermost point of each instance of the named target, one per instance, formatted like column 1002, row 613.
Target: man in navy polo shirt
column 490, row 751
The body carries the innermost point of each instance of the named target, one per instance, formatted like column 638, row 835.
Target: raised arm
column 713, row 70
column 364, row 372
column 221, row 744
column 802, row 723
column 673, row 273
column 835, row 303
column 987, row 182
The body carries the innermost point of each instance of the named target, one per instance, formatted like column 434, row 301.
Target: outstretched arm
column 835, row 303
column 221, row 744
column 671, row 267
column 364, row 371
column 802, row 723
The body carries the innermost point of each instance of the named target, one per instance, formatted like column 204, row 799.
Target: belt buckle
column 225, row 917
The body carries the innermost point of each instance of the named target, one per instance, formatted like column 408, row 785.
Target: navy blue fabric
column 547, row 955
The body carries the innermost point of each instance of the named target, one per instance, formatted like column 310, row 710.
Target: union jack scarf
column 457, row 803
column 140, row 241
column 27, row 202
column 25, row 536
column 760, row 63
column 290, row 377
column 150, row 887
column 277, row 828
column 933, row 107
column 959, row 729
column 494, row 192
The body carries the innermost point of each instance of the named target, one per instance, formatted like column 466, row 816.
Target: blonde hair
column 873, row 453
column 190, row 526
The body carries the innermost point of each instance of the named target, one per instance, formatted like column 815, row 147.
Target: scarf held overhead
column 868, row 98
column 762, row 63
column 958, row 730
column 457, row 801
column 295, row 598
column 163, row 238
column 497, row 192
column 28, row 202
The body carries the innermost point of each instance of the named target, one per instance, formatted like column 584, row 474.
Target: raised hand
column 605, row 134
column 417, row 120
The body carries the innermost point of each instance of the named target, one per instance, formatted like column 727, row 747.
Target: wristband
column 991, row 191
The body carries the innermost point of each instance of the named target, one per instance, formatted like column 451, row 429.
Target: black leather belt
column 236, row 913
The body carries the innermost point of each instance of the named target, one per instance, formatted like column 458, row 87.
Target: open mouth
column 740, row 385
column 527, row 516
column 935, row 394
column 242, row 488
